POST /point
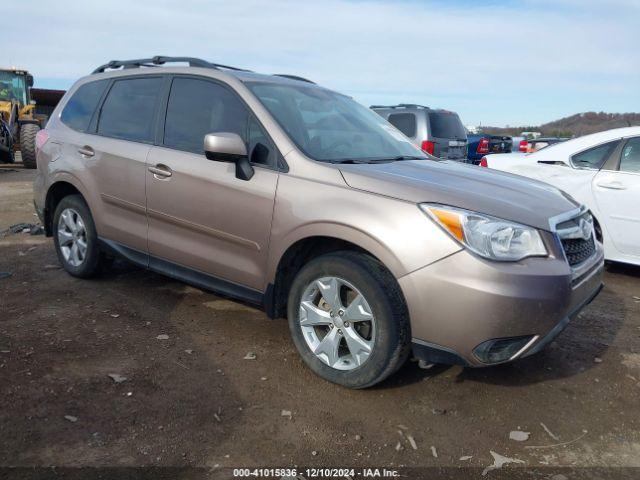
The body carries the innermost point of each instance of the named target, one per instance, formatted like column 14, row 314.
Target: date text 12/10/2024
column 315, row 472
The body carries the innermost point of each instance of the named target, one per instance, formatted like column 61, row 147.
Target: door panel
column 116, row 157
column 204, row 218
column 618, row 198
column 200, row 215
column 118, row 168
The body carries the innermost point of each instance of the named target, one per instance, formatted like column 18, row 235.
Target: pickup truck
column 479, row 145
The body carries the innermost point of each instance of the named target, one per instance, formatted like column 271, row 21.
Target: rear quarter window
column 405, row 122
column 630, row 159
column 446, row 125
column 79, row 109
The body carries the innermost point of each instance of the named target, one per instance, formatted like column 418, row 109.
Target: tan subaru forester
column 276, row 191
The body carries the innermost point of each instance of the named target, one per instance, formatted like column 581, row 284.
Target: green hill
column 575, row 125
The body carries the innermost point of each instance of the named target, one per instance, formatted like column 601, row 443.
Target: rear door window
column 594, row 157
column 129, row 110
column 630, row 159
column 405, row 122
column 446, row 125
column 79, row 109
column 198, row 107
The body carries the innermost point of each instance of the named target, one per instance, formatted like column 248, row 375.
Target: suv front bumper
column 464, row 309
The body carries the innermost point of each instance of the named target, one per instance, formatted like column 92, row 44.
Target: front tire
column 75, row 237
column 348, row 319
column 28, row 133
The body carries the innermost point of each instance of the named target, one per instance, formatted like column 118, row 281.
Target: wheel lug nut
column 339, row 332
column 346, row 324
column 341, row 312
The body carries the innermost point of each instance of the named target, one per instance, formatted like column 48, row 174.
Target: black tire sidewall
column 390, row 318
column 28, row 133
column 89, row 266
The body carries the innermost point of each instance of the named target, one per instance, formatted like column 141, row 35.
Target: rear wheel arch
column 55, row 194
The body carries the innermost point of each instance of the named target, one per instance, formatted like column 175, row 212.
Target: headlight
column 487, row 236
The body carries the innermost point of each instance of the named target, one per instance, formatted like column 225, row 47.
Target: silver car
column 437, row 132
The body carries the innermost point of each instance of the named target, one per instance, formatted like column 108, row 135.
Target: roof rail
column 293, row 77
column 161, row 60
column 400, row 105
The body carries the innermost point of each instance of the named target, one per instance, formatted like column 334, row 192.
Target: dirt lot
column 191, row 399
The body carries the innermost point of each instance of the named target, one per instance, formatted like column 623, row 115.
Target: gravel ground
column 136, row 370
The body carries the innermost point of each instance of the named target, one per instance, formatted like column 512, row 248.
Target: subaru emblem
column 585, row 227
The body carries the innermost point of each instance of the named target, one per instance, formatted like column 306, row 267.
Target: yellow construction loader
column 19, row 122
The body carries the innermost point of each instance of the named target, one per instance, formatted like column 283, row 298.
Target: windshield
column 330, row 127
column 12, row 87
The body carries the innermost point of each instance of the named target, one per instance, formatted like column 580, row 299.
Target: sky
column 496, row 62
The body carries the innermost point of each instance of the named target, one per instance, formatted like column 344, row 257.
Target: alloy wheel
column 72, row 237
column 337, row 323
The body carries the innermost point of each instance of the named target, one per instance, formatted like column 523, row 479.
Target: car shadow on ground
column 623, row 269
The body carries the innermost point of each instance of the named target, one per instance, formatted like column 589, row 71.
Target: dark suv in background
column 438, row 132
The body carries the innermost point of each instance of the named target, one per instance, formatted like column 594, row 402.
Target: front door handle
column 160, row 171
column 86, row 151
column 612, row 185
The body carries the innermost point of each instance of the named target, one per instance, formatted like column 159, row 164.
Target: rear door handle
column 612, row 185
column 86, row 151
column 160, row 171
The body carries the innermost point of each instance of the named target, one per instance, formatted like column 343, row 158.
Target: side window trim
column 161, row 114
column 280, row 165
column 612, row 163
column 93, row 124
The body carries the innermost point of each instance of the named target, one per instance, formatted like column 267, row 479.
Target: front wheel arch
column 294, row 258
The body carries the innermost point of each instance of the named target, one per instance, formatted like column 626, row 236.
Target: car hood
column 487, row 191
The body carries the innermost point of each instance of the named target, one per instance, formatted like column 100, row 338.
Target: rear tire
column 75, row 237
column 28, row 133
column 383, row 342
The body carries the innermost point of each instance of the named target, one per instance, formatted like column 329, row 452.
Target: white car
column 601, row 170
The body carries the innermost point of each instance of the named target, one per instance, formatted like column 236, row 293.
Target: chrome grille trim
column 569, row 226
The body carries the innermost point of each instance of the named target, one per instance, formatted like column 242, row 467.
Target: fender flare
column 339, row 231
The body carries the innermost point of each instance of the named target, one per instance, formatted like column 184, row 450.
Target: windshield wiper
column 349, row 160
column 377, row 160
column 408, row 157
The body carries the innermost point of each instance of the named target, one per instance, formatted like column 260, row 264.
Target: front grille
column 577, row 237
column 578, row 250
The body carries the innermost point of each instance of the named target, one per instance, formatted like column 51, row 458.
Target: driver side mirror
column 229, row 147
column 29, row 80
